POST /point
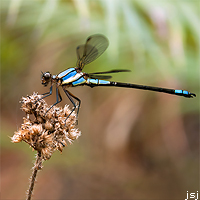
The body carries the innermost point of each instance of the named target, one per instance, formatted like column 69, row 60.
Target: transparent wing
column 95, row 45
column 97, row 75
column 112, row 71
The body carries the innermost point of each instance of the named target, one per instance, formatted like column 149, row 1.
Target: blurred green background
column 135, row 144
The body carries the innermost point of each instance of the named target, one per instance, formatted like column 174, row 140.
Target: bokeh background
column 135, row 144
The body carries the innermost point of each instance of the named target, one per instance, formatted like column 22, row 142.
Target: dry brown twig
column 45, row 132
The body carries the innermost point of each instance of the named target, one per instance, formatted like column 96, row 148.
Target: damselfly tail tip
column 191, row 95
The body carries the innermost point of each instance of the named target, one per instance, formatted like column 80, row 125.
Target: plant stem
column 37, row 166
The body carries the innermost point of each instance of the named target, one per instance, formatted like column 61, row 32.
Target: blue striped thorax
column 65, row 72
column 71, row 76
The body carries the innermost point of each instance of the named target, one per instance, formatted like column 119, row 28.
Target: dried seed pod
column 48, row 125
column 48, row 131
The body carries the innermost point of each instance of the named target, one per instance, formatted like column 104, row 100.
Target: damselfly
column 95, row 45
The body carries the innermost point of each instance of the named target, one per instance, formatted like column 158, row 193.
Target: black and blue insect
column 95, row 45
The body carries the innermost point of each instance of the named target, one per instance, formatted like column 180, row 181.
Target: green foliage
column 157, row 40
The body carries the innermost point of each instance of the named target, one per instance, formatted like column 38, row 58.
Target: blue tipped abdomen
column 181, row 92
column 184, row 93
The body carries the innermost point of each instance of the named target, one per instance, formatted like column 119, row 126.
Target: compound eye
column 46, row 78
column 47, row 75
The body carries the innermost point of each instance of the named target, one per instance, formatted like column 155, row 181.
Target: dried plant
column 45, row 131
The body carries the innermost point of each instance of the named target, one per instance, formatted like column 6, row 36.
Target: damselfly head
column 46, row 78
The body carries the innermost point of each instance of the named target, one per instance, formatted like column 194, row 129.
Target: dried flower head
column 46, row 131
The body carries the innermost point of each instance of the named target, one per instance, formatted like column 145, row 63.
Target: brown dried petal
column 48, row 125
column 36, row 129
column 17, row 137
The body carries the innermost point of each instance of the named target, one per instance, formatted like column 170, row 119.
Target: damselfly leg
column 46, row 94
column 57, row 99
column 71, row 96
